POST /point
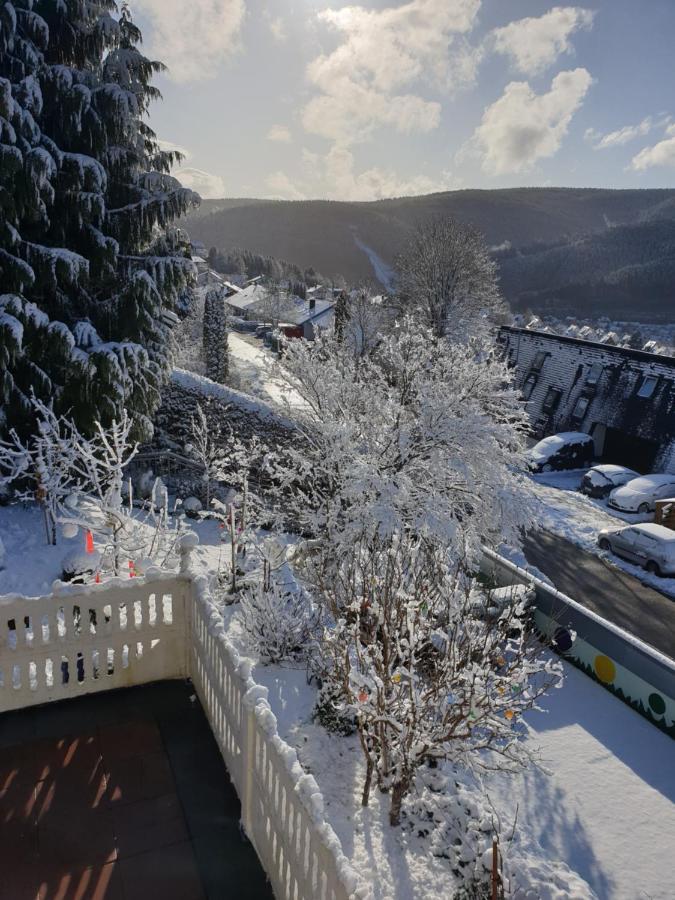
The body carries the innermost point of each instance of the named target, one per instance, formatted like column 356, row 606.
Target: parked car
column 568, row 450
column 640, row 494
column 649, row 545
column 600, row 481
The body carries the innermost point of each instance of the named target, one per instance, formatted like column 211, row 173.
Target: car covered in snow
column 640, row 494
column 567, row 450
column 648, row 545
column 600, row 481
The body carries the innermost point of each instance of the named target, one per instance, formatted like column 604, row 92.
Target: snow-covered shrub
column 278, row 624
column 452, row 811
column 192, row 506
column 77, row 564
column 331, row 710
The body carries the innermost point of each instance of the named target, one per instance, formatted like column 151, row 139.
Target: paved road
column 613, row 594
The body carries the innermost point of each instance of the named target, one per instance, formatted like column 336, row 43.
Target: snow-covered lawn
column 565, row 511
column 253, row 364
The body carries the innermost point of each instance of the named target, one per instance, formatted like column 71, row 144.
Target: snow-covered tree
column 411, row 462
column 42, row 466
column 205, row 447
column 446, row 275
column 91, row 278
column 216, row 357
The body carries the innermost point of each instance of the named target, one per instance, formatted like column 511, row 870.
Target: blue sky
column 299, row 98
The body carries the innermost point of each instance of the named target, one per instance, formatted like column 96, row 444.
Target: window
column 539, row 361
column 648, row 386
column 551, row 400
column 580, row 409
column 594, row 374
column 529, row 386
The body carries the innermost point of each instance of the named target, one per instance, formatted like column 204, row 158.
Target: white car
column 601, row 480
column 567, row 450
column 649, row 545
column 640, row 494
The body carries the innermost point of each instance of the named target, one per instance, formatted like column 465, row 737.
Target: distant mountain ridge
column 345, row 237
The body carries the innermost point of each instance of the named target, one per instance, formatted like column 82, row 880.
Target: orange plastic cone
column 89, row 542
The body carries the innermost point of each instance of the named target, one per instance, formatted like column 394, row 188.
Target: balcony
column 136, row 749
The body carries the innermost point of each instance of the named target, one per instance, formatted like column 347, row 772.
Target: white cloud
column 206, row 184
column 277, row 26
column 193, row 50
column 523, row 127
column 621, row 136
column 333, row 177
column 367, row 80
column 283, row 188
column 661, row 154
column 533, row 44
column 279, row 133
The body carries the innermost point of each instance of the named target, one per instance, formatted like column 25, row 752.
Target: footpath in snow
column 253, row 365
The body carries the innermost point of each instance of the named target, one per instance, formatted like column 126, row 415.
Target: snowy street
column 253, row 364
column 565, row 512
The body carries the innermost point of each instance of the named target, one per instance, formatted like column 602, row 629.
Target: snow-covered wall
column 577, row 385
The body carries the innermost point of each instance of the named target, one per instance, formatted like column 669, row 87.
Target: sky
column 297, row 99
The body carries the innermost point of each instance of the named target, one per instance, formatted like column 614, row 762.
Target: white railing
column 123, row 633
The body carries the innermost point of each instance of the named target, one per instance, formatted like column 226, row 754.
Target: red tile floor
column 96, row 811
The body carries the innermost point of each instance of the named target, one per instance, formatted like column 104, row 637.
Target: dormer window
column 529, row 386
column 539, row 361
column 648, row 386
column 580, row 409
column 551, row 400
column 594, row 374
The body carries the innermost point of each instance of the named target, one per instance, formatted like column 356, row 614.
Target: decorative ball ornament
column 69, row 530
column 363, row 696
column 396, row 678
column 509, row 714
column 501, row 661
column 500, row 689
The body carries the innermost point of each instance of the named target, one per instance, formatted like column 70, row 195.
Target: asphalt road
column 613, row 594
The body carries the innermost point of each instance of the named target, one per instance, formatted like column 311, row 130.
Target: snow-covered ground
column 253, row 366
column 565, row 511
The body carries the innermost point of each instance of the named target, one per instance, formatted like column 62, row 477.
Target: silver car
column 651, row 546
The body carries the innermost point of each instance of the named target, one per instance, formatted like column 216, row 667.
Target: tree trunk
column 399, row 791
column 365, row 796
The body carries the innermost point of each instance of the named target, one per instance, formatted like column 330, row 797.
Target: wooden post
column 495, row 870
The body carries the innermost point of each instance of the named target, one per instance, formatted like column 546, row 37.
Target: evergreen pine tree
column 92, row 272
column 216, row 356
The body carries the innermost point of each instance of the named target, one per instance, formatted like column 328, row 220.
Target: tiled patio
column 123, row 796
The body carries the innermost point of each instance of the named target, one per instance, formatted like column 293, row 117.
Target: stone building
column 624, row 398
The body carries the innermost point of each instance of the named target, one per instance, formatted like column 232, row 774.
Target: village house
column 624, row 398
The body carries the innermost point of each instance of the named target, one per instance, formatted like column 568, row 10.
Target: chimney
column 312, row 303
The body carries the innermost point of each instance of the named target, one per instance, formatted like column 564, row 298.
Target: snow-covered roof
column 304, row 313
column 243, row 298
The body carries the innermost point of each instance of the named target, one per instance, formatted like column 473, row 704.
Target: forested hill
column 625, row 272
column 324, row 234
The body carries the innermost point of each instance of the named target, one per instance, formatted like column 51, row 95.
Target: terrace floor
column 120, row 795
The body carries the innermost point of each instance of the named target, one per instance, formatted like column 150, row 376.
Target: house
column 294, row 316
column 624, row 398
column 307, row 317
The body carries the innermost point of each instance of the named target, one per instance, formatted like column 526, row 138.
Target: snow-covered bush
column 332, row 710
column 278, row 624
column 453, row 812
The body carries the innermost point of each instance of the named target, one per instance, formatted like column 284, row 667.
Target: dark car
column 600, row 481
column 568, row 450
